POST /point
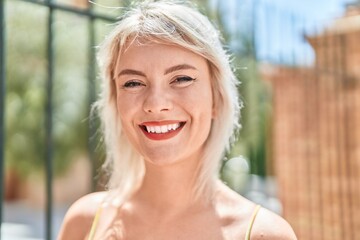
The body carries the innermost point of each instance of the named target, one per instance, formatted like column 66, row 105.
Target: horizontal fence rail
column 78, row 11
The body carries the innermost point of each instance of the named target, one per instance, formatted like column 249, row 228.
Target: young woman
column 169, row 108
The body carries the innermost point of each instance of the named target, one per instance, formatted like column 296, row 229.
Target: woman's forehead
column 138, row 49
column 158, row 56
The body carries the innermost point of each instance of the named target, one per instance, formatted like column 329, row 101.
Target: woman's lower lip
column 162, row 136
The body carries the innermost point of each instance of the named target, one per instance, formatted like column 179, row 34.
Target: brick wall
column 316, row 139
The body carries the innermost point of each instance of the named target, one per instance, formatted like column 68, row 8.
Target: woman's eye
column 132, row 84
column 186, row 80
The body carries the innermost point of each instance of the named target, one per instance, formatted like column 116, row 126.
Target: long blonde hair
column 176, row 24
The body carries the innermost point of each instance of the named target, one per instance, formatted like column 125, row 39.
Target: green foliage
column 254, row 117
column 26, row 96
column 252, row 140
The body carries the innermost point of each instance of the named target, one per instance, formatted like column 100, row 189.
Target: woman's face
column 164, row 100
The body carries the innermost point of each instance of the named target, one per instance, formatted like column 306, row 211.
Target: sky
column 282, row 24
column 309, row 16
column 313, row 9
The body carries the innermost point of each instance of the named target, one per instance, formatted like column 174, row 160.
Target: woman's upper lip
column 160, row 123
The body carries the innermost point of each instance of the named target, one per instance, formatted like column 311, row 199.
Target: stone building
column 316, row 134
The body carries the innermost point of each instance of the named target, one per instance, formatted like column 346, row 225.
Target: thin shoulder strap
column 252, row 220
column 95, row 223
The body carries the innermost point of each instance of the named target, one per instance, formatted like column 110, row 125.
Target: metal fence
column 52, row 7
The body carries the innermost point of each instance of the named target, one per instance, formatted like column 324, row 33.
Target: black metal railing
column 2, row 103
column 49, row 122
column 52, row 7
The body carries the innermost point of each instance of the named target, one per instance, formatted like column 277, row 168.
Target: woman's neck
column 169, row 190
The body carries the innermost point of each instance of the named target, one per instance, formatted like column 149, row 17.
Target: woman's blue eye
column 132, row 84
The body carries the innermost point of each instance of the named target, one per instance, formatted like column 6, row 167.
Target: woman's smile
column 161, row 130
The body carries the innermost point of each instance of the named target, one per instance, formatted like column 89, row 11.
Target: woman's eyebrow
column 167, row 71
column 178, row 67
column 131, row 72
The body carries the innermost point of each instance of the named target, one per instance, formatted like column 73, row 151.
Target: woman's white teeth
column 163, row 128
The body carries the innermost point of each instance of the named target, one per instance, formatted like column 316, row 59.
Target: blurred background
column 298, row 152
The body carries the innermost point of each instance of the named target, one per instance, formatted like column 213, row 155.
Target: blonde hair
column 181, row 25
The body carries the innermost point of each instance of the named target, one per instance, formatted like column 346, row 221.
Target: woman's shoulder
column 268, row 225
column 263, row 223
column 87, row 205
column 78, row 219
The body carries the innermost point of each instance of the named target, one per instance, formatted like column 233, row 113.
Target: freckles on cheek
column 127, row 111
column 123, row 104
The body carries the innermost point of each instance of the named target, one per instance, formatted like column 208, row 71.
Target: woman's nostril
column 155, row 104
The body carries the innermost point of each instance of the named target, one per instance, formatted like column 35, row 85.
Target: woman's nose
column 157, row 100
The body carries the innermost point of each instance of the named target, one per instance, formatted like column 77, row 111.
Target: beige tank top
column 98, row 214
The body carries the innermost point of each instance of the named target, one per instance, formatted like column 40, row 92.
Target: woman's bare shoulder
column 78, row 219
column 269, row 225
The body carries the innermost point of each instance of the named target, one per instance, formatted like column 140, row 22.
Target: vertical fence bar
column 49, row 123
column 2, row 106
column 269, row 38
column 307, row 97
column 91, row 97
column 254, row 167
column 254, row 17
column 356, row 155
column 315, row 119
column 326, row 139
column 346, row 135
column 337, row 84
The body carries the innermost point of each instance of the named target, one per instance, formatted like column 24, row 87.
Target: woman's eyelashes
column 132, row 84
column 183, row 80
